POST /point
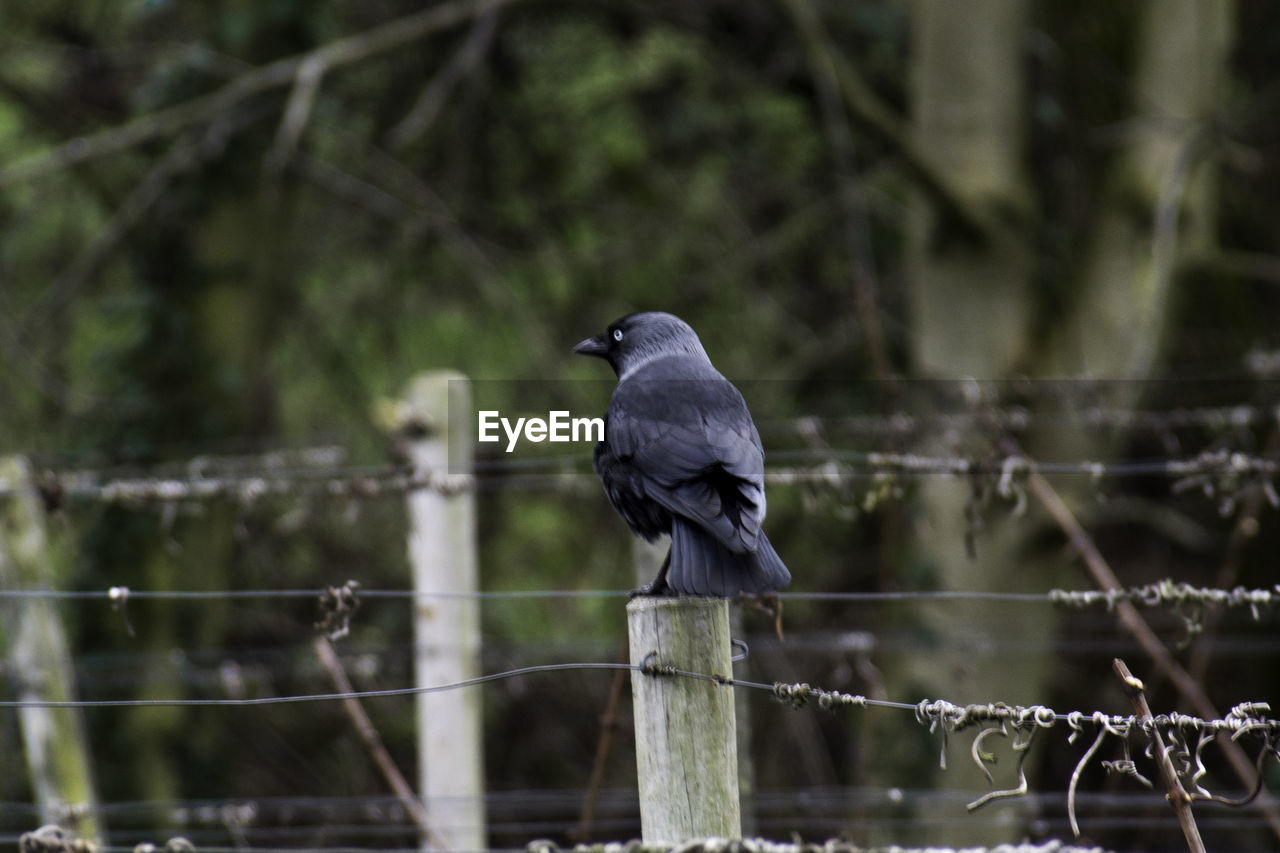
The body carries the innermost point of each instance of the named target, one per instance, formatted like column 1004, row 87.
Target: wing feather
column 691, row 447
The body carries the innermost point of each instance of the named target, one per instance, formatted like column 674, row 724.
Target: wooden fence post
column 442, row 550
column 648, row 557
column 54, row 739
column 742, row 707
column 686, row 741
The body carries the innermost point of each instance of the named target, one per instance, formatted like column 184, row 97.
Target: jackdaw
column 682, row 456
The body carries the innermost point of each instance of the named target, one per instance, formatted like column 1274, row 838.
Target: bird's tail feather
column 700, row 565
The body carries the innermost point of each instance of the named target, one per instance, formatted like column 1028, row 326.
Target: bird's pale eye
column 617, row 334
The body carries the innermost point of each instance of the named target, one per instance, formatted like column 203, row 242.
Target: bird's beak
column 592, row 346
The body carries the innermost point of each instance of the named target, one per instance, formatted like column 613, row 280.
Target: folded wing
column 694, row 451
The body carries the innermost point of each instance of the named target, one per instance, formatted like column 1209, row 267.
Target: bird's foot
column 658, row 589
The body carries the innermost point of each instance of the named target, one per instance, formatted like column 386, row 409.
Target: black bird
column 681, row 455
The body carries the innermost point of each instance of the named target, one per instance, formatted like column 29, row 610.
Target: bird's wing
column 693, row 449
column 626, row 490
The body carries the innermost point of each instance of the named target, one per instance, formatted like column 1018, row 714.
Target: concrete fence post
column 439, row 433
column 54, row 739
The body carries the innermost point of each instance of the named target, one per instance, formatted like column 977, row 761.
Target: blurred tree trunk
column 974, row 318
column 970, row 301
column 972, row 311
column 234, row 318
column 1158, row 203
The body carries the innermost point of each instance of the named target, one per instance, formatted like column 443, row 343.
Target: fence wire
column 1211, row 472
column 1179, row 596
column 699, row 845
column 1188, row 736
column 936, row 714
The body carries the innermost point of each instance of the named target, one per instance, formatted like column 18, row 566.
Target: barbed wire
column 53, row 839
column 539, row 814
column 977, row 412
column 1176, row 594
column 277, row 821
column 1013, row 418
column 1212, row 472
column 748, row 845
column 761, row 845
column 1187, row 735
column 930, row 712
column 387, row 808
column 1181, row 596
column 998, row 718
column 338, row 481
column 322, row 469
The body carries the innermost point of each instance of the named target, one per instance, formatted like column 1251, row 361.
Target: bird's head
column 637, row 339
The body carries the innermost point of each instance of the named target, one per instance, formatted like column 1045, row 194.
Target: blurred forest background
column 960, row 230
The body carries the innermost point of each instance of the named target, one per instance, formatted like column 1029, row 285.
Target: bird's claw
column 657, row 589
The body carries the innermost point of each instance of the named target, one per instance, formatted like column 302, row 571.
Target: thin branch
column 866, row 107
column 1132, row 621
column 373, row 741
column 187, row 153
column 423, row 113
column 297, row 114
column 421, row 203
column 1164, row 239
column 1177, row 795
column 1105, row 578
column 826, row 82
column 282, row 72
column 484, row 271
column 1244, row 531
column 857, row 228
column 23, row 361
column 356, row 190
column 1260, row 266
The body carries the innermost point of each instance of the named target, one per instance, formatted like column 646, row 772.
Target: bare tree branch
column 414, row 202
column 1261, row 266
column 373, row 742
column 345, row 51
column 868, row 110
column 1177, row 795
column 1129, row 617
column 423, row 113
column 355, row 190
column 861, row 265
column 296, row 115
column 1244, row 532
column 1165, row 237
column 187, row 153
